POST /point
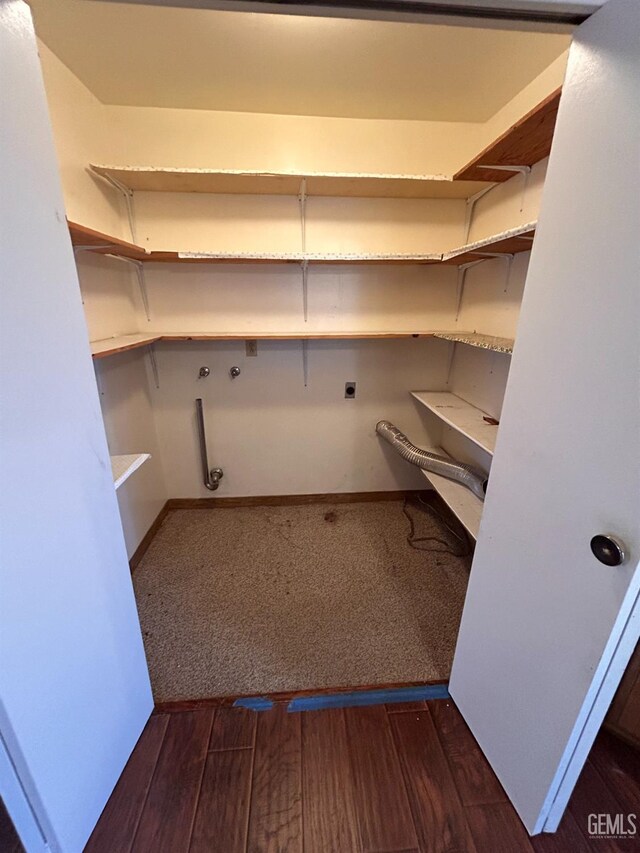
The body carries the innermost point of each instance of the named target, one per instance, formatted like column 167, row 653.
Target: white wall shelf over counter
column 123, row 343
column 461, row 416
column 473, row 339
column 466, row 507
column 362, row 185
column 123, row 467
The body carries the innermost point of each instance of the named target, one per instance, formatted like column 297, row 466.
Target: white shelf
column 461, row 416
column 340, row 184
column 466, row 507
column 123, row 467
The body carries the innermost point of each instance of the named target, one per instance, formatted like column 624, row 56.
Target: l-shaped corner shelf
column 513, row 241
column 460, row 416
column 526, row 142
column 123, row 343
column 122, row 467
column 236, row 182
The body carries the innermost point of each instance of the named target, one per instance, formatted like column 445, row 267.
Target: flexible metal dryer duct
column 462, row 473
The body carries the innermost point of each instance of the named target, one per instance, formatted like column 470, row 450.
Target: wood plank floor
column 406, row 778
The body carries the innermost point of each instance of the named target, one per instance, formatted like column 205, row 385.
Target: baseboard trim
column 172, row 707
column 288, row 500
column 141, row 550
column 275, row 500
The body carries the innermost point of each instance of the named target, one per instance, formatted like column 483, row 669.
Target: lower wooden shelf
column 122, row 467
column 122, row 343
column 466, row 507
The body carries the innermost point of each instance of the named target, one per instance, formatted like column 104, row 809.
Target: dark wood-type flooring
column 399, row 778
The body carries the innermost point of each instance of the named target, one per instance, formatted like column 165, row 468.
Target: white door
column 547, row 628
column 74, row 687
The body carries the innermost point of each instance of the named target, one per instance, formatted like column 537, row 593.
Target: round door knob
column 608, row 549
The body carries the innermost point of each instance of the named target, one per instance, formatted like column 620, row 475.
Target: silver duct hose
column 462, row 473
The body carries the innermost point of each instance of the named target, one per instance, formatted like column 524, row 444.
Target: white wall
column 251, row 299
column 75, row 686
column 273, row 436
column 130, row 426
column 204, row 222
column 82, row 134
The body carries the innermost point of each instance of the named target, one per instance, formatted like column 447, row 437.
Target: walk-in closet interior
column 287, row 230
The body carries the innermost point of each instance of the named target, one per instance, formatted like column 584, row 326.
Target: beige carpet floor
column 267, row 599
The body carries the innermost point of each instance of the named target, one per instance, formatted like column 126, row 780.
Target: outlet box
column 251, row 348
column 349, row 390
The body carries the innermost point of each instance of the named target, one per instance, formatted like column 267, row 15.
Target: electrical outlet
column 251, row 348
column 349, row 390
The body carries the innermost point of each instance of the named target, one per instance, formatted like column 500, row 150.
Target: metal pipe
column 211, row 477
column 462, row 473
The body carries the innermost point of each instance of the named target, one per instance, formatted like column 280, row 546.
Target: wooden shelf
column 122, row 467
column 473, row 339
column 123, row 343
column 509, row 242
column 296, row 258
column 523, row 144
column 104, row 244
column 360, row 185
column 461, row 416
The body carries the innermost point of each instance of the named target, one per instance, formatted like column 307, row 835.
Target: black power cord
column 428, row 508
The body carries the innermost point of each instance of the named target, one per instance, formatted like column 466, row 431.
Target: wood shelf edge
column 525, row 143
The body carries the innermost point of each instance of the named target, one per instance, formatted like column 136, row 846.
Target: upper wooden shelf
column 172, row 180
column 103, row 244
column 523, row 144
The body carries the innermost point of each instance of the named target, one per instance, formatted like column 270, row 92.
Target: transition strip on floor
column 254, row 703
column 357, row 698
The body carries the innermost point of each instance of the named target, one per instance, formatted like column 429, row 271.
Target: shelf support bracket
column 128, row 200
column 305, row 289
column 462, row 274
column 471, row 203
column 302, row 201
column 503, row 256
column 523, row 170
column 142, row 285
column 305, row 361
column 154, row 365
column 452, row 352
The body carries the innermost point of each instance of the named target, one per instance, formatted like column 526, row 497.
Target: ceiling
column 243, row 62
